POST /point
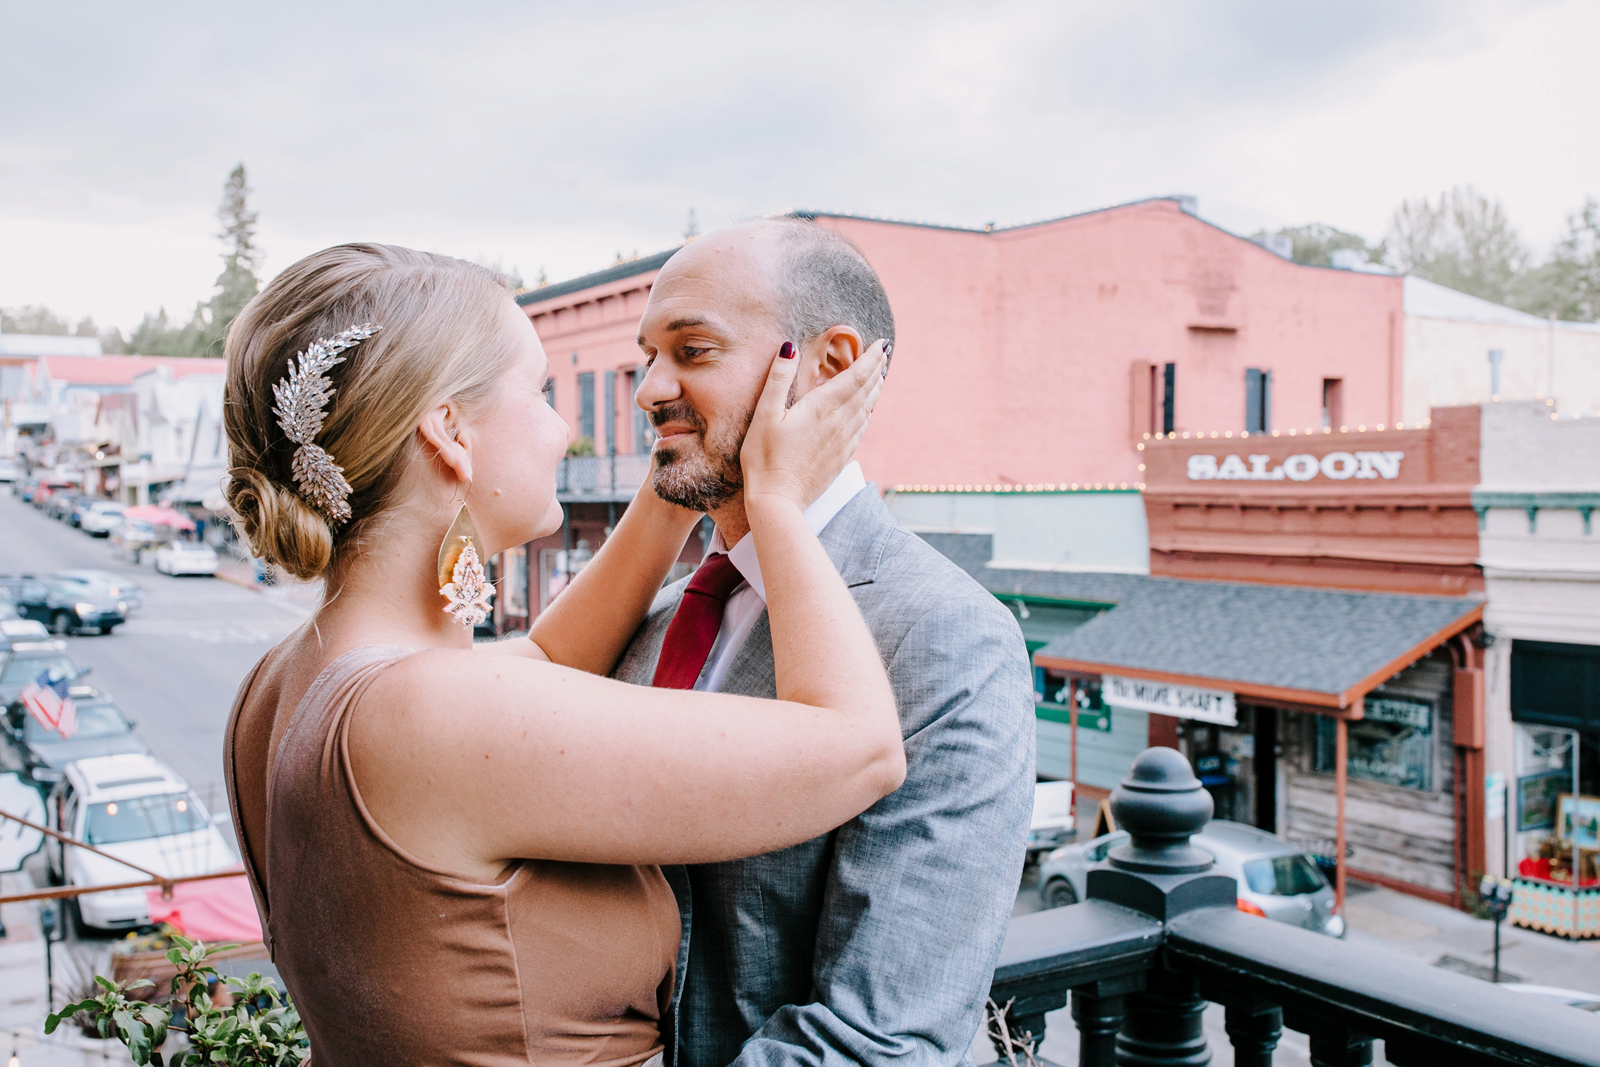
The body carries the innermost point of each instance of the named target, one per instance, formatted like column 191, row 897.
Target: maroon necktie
column 694, row 626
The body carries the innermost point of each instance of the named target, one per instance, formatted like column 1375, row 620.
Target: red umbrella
column 216, row 910
column 157, row 515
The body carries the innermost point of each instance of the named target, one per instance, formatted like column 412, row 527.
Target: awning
column 1320, row 649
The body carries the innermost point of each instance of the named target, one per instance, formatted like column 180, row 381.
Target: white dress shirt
column 749, row 600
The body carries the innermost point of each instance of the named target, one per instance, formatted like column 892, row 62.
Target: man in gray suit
column 875, row 943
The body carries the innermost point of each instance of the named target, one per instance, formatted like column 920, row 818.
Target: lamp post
column 47, row 923
column 1496, row 896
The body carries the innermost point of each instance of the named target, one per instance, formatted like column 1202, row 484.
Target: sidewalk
column 1396, row 924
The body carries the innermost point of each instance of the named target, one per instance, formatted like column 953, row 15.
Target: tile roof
column 1319, row 641
column 1325, row 643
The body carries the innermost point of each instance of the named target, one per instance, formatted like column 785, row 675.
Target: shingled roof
column 1322, row 647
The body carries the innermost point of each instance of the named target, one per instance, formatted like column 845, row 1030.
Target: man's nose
column 660, row 386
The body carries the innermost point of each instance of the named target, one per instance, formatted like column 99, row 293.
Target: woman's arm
column 471, row 761
column 589, row 625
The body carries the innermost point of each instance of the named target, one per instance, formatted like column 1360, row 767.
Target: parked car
column 1276, row 880
column 24, row 487
column 68, row 606
column 49, row 487
column 61, row 503
column 42, row 754
column 132, row 807
column 107, row 583
column 130, row 537
column 101, row 517
column 27, row 660
column 1053, row 821
column 28, row 595
column 186, row 557
column 10, row 471
column 80, row 508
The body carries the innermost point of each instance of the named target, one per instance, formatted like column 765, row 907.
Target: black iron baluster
column 1339, row 1046
column 1098, row 1019
column 1163, row 1023
column 1254, row 1030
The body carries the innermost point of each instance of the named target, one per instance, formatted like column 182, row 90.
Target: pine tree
column 237, row 284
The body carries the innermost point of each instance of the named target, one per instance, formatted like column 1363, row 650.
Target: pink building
column 1040, row 354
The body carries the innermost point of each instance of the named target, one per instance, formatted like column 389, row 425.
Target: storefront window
column 1051, row 692
column 1393, row 744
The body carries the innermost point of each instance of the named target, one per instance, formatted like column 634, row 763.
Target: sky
column 555, row 136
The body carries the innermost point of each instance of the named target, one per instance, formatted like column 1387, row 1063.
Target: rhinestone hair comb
column 301, row 398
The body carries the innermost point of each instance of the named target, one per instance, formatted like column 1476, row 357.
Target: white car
column 1053, row 822
column 131, row 807
column 9, row 471
column 102, row 517
column 186, row 557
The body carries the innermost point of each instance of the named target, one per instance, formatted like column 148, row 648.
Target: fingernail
column 787, row 351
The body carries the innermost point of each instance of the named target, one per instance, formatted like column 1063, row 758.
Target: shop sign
column 1338, row 466
column 1164, row 698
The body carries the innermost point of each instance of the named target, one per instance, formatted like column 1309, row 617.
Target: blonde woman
column 456, row 852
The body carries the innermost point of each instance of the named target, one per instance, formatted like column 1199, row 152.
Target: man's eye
column 693, row 353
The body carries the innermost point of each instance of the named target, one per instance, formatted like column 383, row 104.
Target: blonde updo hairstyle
column 442, row 337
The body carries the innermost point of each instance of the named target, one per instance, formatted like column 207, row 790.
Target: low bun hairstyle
column 442, row 337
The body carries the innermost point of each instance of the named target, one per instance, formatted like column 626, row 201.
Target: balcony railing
column 603, row 476
column 1160, row 935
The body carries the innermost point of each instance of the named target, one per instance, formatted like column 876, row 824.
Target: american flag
column 49, row 700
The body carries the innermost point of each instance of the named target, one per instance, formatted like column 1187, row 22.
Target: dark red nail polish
column 787, row 351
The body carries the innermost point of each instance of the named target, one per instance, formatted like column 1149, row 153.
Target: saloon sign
column 1302, row 468
column 1164, row 698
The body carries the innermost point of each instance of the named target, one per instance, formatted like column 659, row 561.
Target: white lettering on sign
column 1164, row 698
column 1302, row 468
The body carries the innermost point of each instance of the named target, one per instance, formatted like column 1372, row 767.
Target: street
column 175, row 665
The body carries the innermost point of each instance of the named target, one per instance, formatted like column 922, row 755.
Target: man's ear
column 839, row 348
column 440, row 429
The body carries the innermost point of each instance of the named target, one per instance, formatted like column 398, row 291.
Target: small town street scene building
column 684, row 536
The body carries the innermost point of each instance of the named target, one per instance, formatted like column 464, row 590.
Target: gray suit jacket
column 874, row 943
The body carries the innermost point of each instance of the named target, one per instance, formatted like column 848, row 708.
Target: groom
column 875, row 943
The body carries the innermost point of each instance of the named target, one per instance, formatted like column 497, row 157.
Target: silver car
column 1276, row 880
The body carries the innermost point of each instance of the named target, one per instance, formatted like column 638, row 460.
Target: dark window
column 1556, row 684
column 586, row 405
column 643, row 437
column 1169, row 397
column 609, row 399
column 1257, row 400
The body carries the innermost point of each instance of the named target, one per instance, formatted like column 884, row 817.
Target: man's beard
column 702, row 479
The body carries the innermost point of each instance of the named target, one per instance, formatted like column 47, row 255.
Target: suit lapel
column 855, row 541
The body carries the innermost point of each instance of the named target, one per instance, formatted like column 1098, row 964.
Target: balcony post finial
column 1161, row 804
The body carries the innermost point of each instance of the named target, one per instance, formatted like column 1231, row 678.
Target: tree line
column 1464, row 240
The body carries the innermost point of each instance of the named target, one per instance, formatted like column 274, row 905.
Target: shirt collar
column 821, row 512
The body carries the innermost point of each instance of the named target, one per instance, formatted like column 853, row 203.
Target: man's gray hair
column 827, row 282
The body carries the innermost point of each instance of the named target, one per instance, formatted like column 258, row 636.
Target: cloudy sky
column 554, row 136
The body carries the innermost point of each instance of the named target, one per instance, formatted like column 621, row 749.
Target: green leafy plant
column 259, row 1028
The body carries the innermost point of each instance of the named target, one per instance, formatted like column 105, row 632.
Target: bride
column 455, row 851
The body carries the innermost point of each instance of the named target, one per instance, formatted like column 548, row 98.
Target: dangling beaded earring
column 462, row 580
